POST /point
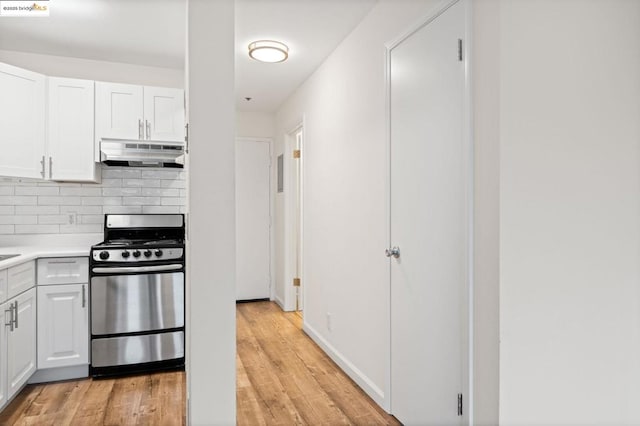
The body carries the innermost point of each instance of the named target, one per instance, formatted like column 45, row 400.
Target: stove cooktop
column 144, row 243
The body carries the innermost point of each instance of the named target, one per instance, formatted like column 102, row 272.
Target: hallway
column 284, row 378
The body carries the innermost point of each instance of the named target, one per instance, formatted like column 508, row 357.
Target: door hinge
column 186, row 138
column 459, row 404
column 296, row 282
column 460, row 49
column 296, row 153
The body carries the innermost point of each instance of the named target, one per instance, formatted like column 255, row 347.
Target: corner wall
column 570, row 212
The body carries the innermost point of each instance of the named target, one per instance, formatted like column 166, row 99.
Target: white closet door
column 428, row 223
column 253, row 240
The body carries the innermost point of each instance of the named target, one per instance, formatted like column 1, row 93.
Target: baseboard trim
column 279, row 302
column 351, row 370
column 60, row 373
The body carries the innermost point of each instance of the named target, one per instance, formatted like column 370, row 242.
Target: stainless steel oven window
column 135, row 303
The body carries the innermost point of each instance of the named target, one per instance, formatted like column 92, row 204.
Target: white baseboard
column 351, row 370
column 279, row 302
column 60, row 373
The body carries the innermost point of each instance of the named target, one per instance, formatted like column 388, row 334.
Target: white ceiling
column 152, row 33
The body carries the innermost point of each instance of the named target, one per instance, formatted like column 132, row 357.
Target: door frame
column 289, row 215
column 468, row 295
column 272, row 192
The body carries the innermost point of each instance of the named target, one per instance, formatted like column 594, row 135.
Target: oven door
column 136, row 303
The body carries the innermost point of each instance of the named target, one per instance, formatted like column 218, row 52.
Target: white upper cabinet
column 22, row 122
column 71, row 130
column 125, row 111
column 164, row 113
column 119, row 111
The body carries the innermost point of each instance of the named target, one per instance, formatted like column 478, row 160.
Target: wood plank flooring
column 283, row 378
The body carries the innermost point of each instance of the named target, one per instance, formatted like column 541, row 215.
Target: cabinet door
column 21, row 343
column 119, row 113
column 63, row 325
column 3, row 285
column 71, row 124
column 164, row 114
column 4, row 329
column 20, row 278
column 22, row 125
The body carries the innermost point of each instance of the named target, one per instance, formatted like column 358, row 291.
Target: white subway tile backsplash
column 56, row 219
column 119, row 172
column 37, row 209
column 31, row 206
column 7, row 229
column 15, row 200
column 37, row 229
column 58, row 201
column 160, row 192
column 108, row 183
column 101, row 201
column 174, row 184
column 81, row 209
column 37, row 190
column 18, row 220
column 141, row 201
column 161, row 209
column 80, row 229
column 173, row 201
column 82, row 191
column 123, row 192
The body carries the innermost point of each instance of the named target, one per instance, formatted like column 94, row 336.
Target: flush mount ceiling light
column 268, row 51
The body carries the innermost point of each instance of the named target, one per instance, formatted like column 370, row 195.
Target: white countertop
column 33, row 247
column 27, row 253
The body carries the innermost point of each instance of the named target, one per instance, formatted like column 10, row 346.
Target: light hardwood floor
column 283, row 379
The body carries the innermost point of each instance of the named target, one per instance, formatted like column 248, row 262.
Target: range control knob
column 136, row 253
column 158, row 252
column 147, row 253
column 125, row 254
column 104, row 255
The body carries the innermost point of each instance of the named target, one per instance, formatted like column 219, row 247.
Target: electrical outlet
column 72, row 218
column 329, row 325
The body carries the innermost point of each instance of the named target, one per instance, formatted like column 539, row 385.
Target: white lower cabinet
column 63, row 325
column 4, row 308
column 20, row 340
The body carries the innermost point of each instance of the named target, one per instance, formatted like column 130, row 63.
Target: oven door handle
column 126, row 269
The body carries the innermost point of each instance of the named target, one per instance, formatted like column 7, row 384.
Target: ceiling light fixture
column 268, row 51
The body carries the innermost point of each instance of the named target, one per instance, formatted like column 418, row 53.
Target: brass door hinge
column 296, row 282
column 296, row 153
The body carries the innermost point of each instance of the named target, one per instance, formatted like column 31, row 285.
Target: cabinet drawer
column 3, row 285
column 21, row 278
column 63, row 270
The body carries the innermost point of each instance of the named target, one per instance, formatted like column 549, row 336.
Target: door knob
column 392, row 252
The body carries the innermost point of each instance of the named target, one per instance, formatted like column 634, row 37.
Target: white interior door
column 428, row 210
column 253, row 217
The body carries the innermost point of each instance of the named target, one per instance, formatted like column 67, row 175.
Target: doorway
column 294, row 213
column 430, row 210
column 253, row 219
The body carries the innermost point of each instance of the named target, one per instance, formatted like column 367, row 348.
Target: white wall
column 211, row 244
column 570, row 212
column 345, row 271
column 486, row 86
column 62, row 66
column 255, row 124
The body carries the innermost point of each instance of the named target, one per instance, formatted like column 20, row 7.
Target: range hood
column 120, row 152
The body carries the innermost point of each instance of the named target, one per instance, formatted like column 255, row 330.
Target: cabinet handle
column 42, row 163
column 139, row 128
column 84, row 298
column 50, row 167
column 10, row 324
column 15, row 321
column 60, row 262
column 148, row 126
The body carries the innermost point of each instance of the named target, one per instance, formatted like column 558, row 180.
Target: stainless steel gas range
column 137, row 295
